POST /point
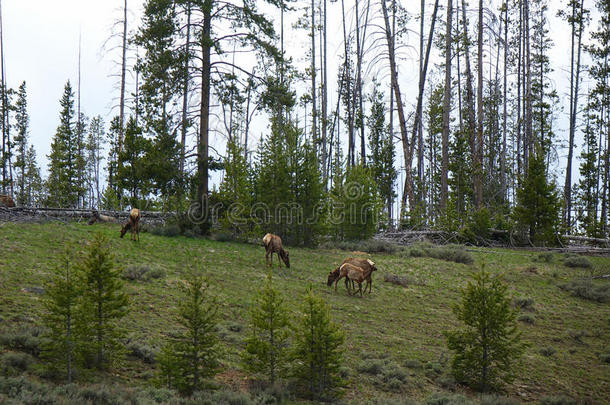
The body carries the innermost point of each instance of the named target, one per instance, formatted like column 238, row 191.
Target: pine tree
column 62, row 295
column 35, row 193
column 266, row 347
column 104, row 304
column 382, row 152
column 95, row 145
column 587, row 188
column 489, row 344
column 62, row 183
column 133, row 175
column 317, row 350
column 192, row 355
column 21, row 142
column 537, row 210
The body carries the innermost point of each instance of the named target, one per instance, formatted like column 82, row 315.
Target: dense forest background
column 229, row 119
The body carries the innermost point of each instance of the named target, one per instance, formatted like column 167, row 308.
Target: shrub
column 577, row 335
column 142, row 352
column 16, row 361
column 557, row 400
column 142, row 272
column 224, row 237
column 402, row 280
column 441, row 398
column 170, row 230
column 26, row 339
column 450, row 253
column 546, row 257
column 577, row 262
column 547, row 351
column 394, row 371
column 605, row 357
column 524, row 303
column 494, row 400
column 373, row 367
column 526, row 318
column 415, row 364
column 369, row 246
column 585, row 289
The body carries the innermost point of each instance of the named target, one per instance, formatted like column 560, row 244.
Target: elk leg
column 360, row 289
column 337, row 281
column 267, row 258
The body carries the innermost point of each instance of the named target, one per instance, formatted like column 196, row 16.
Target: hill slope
column 394, row 341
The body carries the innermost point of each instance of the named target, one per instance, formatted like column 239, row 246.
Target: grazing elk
column 354, row 274
column 132, row 224
column 365, row 264
column 273, row 244
column 7, row 201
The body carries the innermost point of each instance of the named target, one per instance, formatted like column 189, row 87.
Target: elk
column 7, row 201
column 132, row 224
column 365, row 264
column 354, row 274
column 273, row 244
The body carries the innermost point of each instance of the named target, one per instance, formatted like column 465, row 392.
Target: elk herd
column 353, row 269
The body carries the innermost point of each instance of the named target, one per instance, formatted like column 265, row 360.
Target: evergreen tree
column 163, row 167
column 132, row 176
column 382, row 154
column 489, row 344
column 62, row 295
column 21, row 143
column 236, row 190
column 62, row 183
column 95, row 145
column 537, row 210
column 266, row 346
column 192, row 355
column 80, row 163
column 35, row 193
column 104, row 304
column 317, row 350
column 434, row 115
column 112, row 193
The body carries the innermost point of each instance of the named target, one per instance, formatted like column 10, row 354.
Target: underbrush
column 450, row 253
column 586, row 289
column 369, row 246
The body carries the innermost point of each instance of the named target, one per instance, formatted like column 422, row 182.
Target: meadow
column 394, row 347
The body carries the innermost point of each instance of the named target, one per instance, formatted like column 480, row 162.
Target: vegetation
column 390, row 328
column 489, row 345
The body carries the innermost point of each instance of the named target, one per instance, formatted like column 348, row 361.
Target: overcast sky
column 41, row 47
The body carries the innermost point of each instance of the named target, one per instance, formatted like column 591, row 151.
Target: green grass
column 395, row 326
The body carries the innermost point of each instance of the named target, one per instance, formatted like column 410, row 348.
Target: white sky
column 41, row 47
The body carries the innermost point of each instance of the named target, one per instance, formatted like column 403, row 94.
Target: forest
column 484, row 141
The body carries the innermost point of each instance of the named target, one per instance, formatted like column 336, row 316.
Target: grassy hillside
column 394, row 341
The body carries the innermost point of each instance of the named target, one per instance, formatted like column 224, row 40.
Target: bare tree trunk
column 574, row 85
column 347, row 78
column 419, row 134
column 470, row 117
column 324, row 123
column 185, row 89
column 204, row 126
column 406, row 147
column 123, row 70
column 5, row 133
column 528, row 84
column 504, row 113
column 446, row 111
column 313, row 77
column 478, row 155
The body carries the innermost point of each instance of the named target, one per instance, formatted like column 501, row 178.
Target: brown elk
column 365, row 264
column 7, row 201
column 273, row 244
column 354, row 274
column 133, row 224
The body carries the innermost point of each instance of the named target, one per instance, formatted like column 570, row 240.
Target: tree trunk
column 314, row 132
column 185, row 89
column 408, row 190
column 470, row 117
column 123, row 70
column 202, row 149
column 446, row 112
column 504, row 113
column 478, row 150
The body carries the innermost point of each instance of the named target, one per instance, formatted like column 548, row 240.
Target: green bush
column 26, row 339
column 494, row 400
column 169, row 230
column 584, row 288
column 547, row 351
column 558, row 400
column 546, row 257
column 14, row 361
column 605, row 357
column 441, row 398
column 398, row 280
column 224, row 237
column 142, row 272
column 526, row 318
column 450, row 253
column 369, row 246
column 373, row 367
column 142, row 352
column 415, row 364
column 577, row 262
column 524, row 303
